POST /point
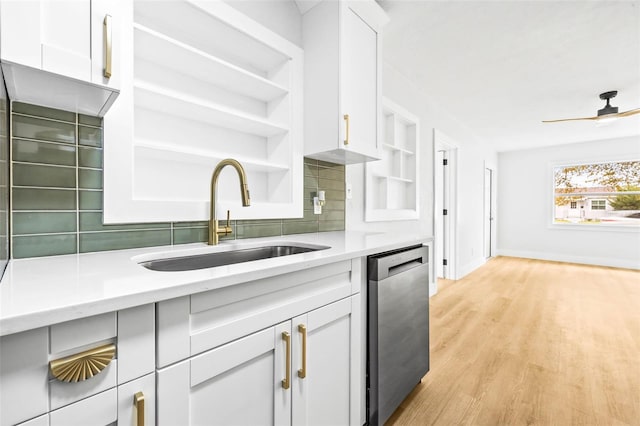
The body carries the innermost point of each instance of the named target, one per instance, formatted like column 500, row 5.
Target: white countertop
column 41, row 291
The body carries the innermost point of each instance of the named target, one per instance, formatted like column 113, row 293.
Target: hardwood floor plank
column 522, row 342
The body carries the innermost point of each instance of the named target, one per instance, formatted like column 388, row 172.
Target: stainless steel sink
column 211, row 260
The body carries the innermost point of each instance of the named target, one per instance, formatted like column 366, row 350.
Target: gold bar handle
column 346, row 119
column 286, row 383
column 107, row 33
column 83, row 365
column 302, row 373
column 138, row 401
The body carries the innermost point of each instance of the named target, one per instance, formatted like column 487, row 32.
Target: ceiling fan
column 605, row 114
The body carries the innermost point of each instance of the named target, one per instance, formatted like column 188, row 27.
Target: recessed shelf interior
column 207, row 91
column 392, row 182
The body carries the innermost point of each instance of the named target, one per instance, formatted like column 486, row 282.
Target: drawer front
column 98, row 410
column 191, row 325
column 70, row 335
column 63, row 393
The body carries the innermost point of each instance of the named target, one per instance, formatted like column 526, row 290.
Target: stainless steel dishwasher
column 398, row 328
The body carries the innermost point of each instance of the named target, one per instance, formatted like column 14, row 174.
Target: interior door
column 488, row 212
column 442, row 219
column 239, row 383
column 322, row 386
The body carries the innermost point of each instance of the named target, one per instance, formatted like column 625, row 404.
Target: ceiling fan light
column 603, row 120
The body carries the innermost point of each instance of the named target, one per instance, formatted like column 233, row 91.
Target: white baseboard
column 558, row 257
column 470, row 267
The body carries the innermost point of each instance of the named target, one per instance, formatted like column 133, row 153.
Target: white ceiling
column 501, row 67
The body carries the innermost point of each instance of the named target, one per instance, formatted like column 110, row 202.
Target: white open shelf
column 223, row 86
column 392, row 183
column 203, row 66
column 153, row 149
column 157, row 98
column 397, row 148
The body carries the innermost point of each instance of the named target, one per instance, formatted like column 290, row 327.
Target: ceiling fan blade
column 628, row 113
column 570, row 119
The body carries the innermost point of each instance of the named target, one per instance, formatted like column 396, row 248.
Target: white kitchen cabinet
column 137, row 402
column 342, row 80
column 23, row 375
column 223, row 86
column 237, row 383
column 26, row 372
column 222, row 354
column 392, row 184
column 69, row 48
column 303, row 371
column 326, row 378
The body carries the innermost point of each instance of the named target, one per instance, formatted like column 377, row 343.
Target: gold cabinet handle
column 287, row 378
column 302, row 373
column 346, row 119
column 138, row 401
column 106, row 27
column 84, row 365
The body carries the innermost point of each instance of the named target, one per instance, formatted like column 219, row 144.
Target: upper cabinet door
column 61, row 54
column 342, row 80
column 359, row 71
column 65, row 38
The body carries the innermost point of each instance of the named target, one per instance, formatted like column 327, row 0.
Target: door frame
column 448, row 190
column 489, row 212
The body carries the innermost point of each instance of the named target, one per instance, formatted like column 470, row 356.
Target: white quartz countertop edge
column 37, row 292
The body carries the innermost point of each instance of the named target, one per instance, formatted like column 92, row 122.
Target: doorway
column 488, row 213
column 445, row 157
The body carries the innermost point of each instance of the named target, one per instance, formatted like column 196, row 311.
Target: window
column 607, row 194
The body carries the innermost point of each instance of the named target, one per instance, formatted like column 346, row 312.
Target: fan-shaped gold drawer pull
column 83, row 366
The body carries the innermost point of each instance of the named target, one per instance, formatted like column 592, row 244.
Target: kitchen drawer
column 70, row 335
column 25, row 360
column 193, row 324
column 63, row 393
column 98, row 410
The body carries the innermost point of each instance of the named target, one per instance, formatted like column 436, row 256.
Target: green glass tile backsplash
column 56, row 164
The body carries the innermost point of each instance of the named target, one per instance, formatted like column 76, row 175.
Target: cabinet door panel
column 23, row 375
column 238, row 383
column 360, row 82
column 127, row 411
column 18, row 17
column 136, row 342
column 324, row 396
column 66, row 38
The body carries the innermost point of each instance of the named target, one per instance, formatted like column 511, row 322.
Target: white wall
column 472, row 157
column 525, row 206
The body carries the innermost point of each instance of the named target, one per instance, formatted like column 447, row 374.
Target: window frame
column 552, row 166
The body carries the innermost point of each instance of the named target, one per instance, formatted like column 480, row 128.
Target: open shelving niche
column 222, row 87
column 392, row 184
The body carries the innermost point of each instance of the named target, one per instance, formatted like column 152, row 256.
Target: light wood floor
column 522, row 342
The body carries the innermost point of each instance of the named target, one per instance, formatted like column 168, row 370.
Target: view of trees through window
column 598, row 194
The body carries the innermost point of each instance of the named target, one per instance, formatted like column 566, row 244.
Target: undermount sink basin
column 211, row 260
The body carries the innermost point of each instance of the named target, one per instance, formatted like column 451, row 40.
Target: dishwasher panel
column 398, row 328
